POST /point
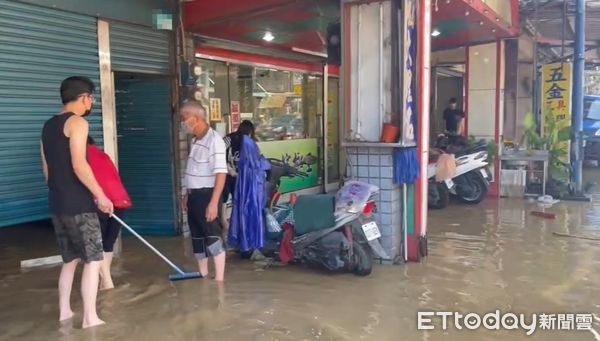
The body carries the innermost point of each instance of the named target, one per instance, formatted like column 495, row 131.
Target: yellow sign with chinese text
column 557, row 89
column 215, row 110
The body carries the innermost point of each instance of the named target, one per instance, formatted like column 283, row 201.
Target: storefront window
column 212, row 88
column 286, row 105
column 286, row 108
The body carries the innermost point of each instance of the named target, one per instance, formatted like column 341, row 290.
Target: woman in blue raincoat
column 247, row 228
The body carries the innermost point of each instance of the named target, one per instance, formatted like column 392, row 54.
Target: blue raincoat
column 247, row 228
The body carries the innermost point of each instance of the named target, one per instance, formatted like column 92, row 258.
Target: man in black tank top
column 71, row 191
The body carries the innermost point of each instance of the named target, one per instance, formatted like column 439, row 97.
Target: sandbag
column 107, row 176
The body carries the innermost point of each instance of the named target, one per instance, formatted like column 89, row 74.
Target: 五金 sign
column 556, row 97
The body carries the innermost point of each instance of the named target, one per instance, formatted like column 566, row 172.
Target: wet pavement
column 484, row 258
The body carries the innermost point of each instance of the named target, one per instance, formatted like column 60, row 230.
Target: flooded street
column 496, row 256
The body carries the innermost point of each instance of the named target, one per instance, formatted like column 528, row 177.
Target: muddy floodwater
column 495, row 256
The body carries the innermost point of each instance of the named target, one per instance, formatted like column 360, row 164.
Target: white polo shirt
column 207, row 158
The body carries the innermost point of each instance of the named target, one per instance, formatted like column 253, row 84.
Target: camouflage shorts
column 79, row 237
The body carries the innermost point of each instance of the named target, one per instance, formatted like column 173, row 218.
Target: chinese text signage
column 409, row 58
column 556, row 96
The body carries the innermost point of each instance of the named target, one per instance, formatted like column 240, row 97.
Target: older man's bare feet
column 92, row 322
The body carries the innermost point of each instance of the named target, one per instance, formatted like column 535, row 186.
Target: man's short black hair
column 73, row 87
column 453, row 100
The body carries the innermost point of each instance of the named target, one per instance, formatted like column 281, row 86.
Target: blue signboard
column 409, row 44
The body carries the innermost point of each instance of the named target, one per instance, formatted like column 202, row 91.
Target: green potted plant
column 554, row 139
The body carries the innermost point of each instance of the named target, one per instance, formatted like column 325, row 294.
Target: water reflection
column 494, row 256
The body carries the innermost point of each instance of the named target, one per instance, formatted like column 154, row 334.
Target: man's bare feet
column 106, row 285
column 66, row 316
column 92, row 322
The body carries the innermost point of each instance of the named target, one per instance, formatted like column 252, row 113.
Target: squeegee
column 180, row 275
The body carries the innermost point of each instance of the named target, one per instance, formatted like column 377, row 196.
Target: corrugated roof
column 555, row 24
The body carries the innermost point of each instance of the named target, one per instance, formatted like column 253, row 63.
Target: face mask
column 89, row 111
column 185, row 128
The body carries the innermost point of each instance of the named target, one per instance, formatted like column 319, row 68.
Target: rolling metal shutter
column 39, row 47
column 144, row 125
column 139, row 49
column 145, row 153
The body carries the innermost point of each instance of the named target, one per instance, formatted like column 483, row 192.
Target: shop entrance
column 448, row 83
column 144, row 142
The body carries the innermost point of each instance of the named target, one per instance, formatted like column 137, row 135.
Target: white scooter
column 471, row 181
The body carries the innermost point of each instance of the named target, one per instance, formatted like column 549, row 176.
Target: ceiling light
column 481, row 23
column 467, row 13
column 435, row 33
column 493, row 30
column 268, row 36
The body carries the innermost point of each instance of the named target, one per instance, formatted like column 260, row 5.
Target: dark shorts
column 78, row 237
column 110, row 229
column 207, row 238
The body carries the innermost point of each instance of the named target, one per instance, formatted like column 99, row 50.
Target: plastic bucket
column 389, row 133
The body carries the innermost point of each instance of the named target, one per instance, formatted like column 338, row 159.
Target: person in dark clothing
column 71, row 191
column 233, row 142
column 454, row 117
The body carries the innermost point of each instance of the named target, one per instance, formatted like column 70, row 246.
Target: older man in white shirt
column 204, row 181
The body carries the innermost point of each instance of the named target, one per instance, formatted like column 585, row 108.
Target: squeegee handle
column 175, row 267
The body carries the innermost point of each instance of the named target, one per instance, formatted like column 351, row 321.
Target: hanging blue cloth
column 406, row 166
column 247, row 228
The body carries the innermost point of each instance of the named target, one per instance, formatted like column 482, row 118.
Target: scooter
column 349, row 245
column 471, row 181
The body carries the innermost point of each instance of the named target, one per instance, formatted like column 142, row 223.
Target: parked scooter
column 349, row 245
column 470, row 183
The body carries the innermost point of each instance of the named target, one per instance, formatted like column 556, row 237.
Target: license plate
column 484, row 173
column 371, row 231
column 449, row 183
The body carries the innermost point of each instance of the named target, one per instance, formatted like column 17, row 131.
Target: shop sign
column 409, row 69
column 215, row 110
column 298, row 89
column 556, row 97
column 235, row 115
column 301, row 154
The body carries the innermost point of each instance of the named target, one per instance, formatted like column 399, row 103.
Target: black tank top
column 67, row 195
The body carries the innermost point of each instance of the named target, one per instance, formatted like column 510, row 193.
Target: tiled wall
column 375, row 166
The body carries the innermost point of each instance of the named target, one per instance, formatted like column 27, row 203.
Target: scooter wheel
column 363, row 261
column 478, row 189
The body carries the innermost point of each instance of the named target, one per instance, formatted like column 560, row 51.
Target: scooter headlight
column 461, row 161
